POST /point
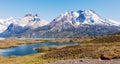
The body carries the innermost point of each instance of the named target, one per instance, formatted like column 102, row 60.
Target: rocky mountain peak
column 83, row 17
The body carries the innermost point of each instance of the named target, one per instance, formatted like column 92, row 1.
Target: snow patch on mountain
column 81, row 17
column 29, row 20
column 40, row 23
column 4, row 23
column 32, row 21
column 112, row 22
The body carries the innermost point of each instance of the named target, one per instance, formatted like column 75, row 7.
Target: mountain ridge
column 75, row 24
column 68, row 24
column 27, row 22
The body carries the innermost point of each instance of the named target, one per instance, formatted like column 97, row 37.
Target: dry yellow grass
column 7, row 43
column 85, row 50
column 62, row 52
column 29, row 59
column 78, row 39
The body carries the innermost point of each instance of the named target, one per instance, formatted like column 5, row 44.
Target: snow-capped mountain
column 75, row 24
column 84, row 17
column 68, row 24
column 32, row 21
column 40, row 23
column 77, row 19
column 4, row 23
column 12, row 27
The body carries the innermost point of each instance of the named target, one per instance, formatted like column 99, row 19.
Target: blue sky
column 49, row 9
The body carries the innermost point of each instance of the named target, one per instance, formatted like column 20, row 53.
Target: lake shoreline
column 87, row 46
column 10, row 43
column 29, row 48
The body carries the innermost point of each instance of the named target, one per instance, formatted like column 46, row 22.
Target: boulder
column 105, row 57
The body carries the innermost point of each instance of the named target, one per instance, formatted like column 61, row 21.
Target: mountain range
column 68, row 24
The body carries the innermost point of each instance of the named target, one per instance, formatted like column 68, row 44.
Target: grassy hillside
column 84, row 51
column 95, row 46
column 106, row 39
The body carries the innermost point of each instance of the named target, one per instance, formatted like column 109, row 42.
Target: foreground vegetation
column 84, row 51
column 90, row 47
column 28, row 59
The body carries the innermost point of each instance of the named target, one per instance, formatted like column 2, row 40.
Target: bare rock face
column 105, row 57
column 69, row 24
column 74, row 24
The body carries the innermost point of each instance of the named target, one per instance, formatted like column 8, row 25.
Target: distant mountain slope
column 112, row 38
column 13, row 30
column 32, row 21
column 28, row 22
column 117, row 33
column 75, row 24
column 4, row 23
column 83, row 17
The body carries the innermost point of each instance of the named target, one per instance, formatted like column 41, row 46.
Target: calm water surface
column 26, row 49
